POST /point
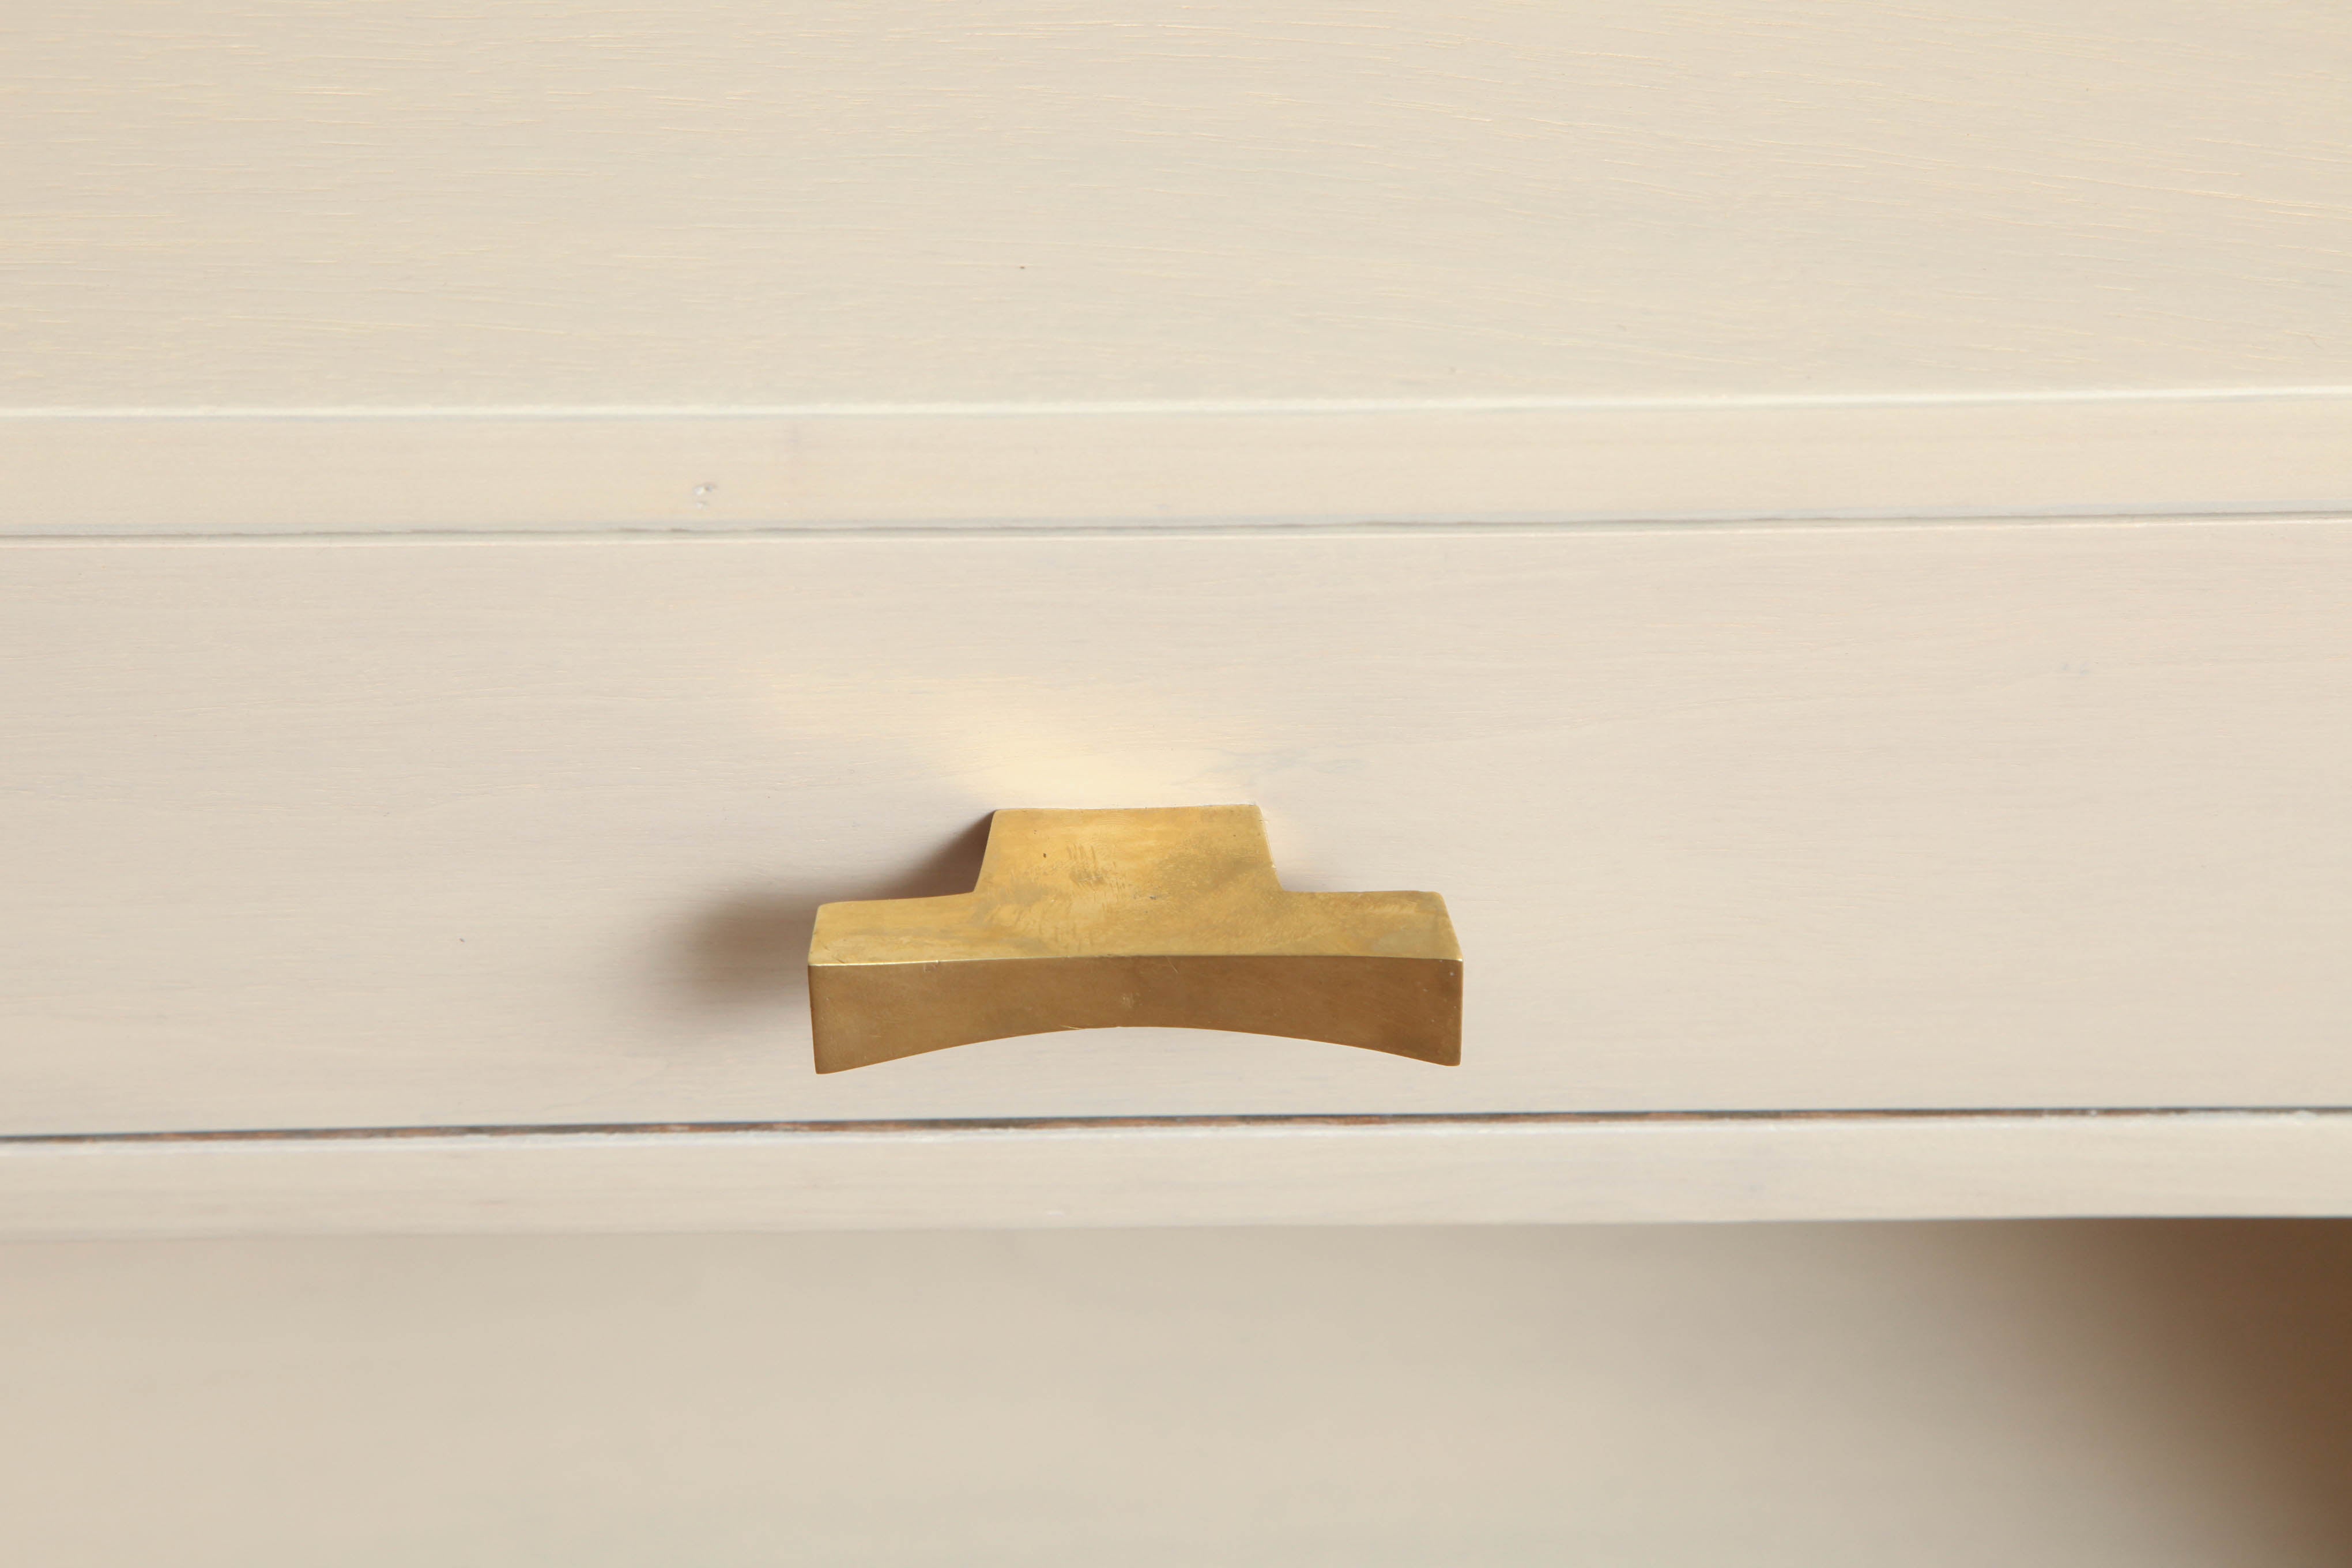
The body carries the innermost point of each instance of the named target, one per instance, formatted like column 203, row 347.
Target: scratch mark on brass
column 1170, row 919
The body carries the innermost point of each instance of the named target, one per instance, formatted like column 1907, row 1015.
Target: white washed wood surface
column 1428, row 1173
column 292, row 205
column 331, row 833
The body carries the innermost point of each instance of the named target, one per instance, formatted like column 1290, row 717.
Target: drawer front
column 320, row 833
column 856, row 202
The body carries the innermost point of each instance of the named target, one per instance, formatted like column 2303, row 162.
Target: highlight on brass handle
column 1094, row 920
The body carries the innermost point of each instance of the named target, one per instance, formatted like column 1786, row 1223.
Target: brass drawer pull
column 1093, row 919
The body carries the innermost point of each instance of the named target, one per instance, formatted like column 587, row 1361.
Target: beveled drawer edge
column 1184, row 1171
column 79, row 473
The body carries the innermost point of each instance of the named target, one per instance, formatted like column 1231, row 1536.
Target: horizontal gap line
column 1103, row 1124
column 1181, row 407
column 2123, row 517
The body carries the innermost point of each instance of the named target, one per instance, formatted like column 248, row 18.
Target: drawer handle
column 1093, row 919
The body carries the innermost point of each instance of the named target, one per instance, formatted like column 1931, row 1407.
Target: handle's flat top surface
column 1176, row 881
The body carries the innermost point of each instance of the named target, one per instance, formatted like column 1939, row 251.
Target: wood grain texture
column 321, row 833
column 261, row 202
column 1436, row 1172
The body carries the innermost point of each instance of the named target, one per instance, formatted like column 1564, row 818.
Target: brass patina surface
column 1170, row 917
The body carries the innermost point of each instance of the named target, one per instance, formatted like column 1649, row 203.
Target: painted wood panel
column 328, row 833
column 262, row 203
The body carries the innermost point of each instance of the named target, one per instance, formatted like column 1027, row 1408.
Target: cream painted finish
column 1053, row 404
column 273, row 202
column 1932, row 1397
column 321, row 833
